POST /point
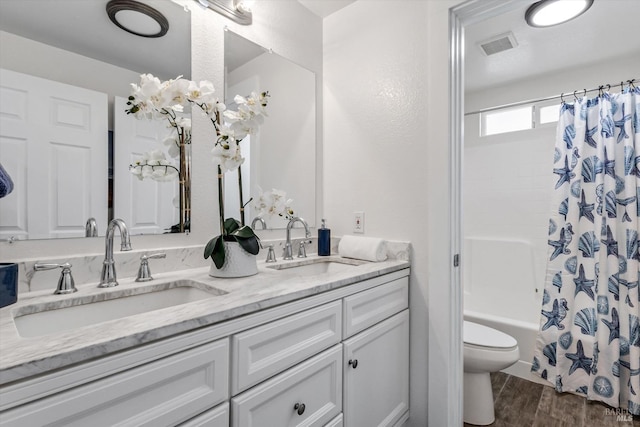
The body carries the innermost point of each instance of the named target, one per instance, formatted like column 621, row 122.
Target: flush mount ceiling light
column 547, row 13
column 237, row 10
column 137, row 18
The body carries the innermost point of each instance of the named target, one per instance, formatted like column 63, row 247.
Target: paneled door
column 54, row 145
column 147, row 206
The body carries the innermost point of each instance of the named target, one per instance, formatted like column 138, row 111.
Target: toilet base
column 478, row 399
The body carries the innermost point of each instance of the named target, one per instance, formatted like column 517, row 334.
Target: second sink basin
column 37, row 320
column 315, row 266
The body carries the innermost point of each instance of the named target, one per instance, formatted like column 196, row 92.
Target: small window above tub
column 506, row 120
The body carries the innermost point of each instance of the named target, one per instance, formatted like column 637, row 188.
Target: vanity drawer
column 316, row 384
column 216, row 417
column 336, row 422
column 369, row 307
column 264, row 351
column 162, row 393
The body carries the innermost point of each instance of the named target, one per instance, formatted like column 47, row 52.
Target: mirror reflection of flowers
column 155, row 99
column 274, row 202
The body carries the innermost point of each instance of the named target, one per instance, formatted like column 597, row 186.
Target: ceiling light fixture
column 547, row 13
column 237, row 10
column 137, row 18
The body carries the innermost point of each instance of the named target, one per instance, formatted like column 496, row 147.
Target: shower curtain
column 589, row 337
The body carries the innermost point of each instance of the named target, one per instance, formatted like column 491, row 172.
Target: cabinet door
column 309, row 394
column 376, row 374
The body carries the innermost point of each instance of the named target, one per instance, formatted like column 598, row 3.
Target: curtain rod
column 549, row 98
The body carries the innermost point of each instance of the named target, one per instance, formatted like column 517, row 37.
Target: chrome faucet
column 260, row 220
column 91, row 228
column 288, row 253
column 108, row 275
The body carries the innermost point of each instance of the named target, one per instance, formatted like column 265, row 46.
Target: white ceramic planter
column 237, row 262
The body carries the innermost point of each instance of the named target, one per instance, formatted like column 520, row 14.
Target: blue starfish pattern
column 588, row 136
column 609, row 165
column 556, row 315
column 586, row 209
column 565, row 173
column 614, row 325
column 583, row 284
column 621, row 124
column 611, row 243
column 579, row 360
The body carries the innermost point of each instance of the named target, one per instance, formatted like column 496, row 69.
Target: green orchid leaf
column 208, row 250
column 218, row 255
column 231, row 225
column 250, row 244
column 244, row 232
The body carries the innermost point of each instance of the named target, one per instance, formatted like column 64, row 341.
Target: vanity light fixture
column 547, row 13
column 137, row 18
column 237, row 10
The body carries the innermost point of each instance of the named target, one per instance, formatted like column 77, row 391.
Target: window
column 506, row 120
column 549, row 114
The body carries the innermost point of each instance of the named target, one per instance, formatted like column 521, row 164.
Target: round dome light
column 137, row 18
column 547, row 13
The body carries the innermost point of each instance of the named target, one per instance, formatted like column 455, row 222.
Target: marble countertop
column 24, row 357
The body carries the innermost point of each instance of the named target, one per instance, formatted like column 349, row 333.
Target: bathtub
column 503, row 290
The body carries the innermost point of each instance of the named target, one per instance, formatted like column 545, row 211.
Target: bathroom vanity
column 288, row 346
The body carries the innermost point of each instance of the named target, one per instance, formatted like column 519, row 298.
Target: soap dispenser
column 324, row 240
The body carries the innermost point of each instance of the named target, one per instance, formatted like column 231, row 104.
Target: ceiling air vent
column 498, row 44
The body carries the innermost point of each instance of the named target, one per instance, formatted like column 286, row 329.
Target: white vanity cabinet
column 335, row 359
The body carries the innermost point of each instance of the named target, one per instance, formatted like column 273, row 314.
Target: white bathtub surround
column 366, row 248
column 502, row 290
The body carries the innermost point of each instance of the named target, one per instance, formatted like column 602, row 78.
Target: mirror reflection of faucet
column 108, row 275
column 91, row 228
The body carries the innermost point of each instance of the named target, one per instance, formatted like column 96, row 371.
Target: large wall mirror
column 281, row 155
column 65, row 138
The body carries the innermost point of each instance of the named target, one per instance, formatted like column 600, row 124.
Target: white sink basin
column 316, row 266
column 83, row 311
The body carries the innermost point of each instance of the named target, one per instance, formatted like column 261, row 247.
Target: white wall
column 386, row 153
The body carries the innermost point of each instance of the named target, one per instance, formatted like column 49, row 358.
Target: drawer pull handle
column 353, row 363
column 299, row 407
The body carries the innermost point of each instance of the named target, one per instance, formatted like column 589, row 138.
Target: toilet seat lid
column 484, row 336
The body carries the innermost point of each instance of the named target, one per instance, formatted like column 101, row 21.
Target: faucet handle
column 66, row 285
column 302, row 251
column 271, row 254
column 144, row 273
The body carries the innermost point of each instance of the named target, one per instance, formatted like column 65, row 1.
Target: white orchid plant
column 153, row 98
column 274, row 202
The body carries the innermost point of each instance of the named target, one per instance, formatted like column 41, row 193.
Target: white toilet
column 485, row 350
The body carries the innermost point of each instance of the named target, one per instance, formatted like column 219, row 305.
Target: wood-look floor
column 522, row 403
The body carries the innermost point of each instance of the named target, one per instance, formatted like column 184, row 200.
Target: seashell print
column 565, row 340
column 571, row 264
column 610, row 204
column 603, row 304
column 553, row 227
column 630, row 161
column 614, row 286
column 569, row 135
column 575, row 189
column 543, row 375
column 535, row 365
column 591, row 167
column 615, row 369
column 607, row 127
column 619, row 185
column 557, row 281
column 545, row 297
column 559, row 383
column 633, row 408
column 602, row 386
column 549, row 352
column 632, row 245
column 624, row 346
column 634, row 331
column 622, row 264
column 588, row 244
column 557, row 155
column 586, row 320
column 564, row 208
column 575, row 155
column 582, row 390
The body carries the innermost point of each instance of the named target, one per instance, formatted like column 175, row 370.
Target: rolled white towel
column 366, row 248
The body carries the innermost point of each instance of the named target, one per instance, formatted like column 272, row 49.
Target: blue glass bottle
column 324, row 240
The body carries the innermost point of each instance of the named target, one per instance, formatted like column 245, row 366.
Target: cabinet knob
column 299, row 408
column 353, row 363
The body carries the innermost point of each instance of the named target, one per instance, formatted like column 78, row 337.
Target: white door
column 54, row 145
column 146, row 206
column 376, row 374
